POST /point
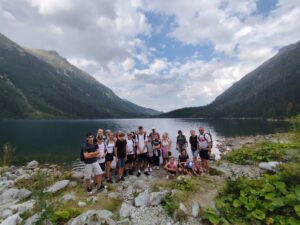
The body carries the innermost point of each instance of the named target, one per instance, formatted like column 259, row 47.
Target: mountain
column 42, row 84
column 270, row 91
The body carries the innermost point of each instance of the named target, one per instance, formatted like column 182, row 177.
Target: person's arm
column 116, row 152
column 145, row 144
column 208, row 139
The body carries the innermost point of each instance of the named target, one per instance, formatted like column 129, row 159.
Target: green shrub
column 184, row 183
column 272, row 199
column 65, row 215
column 169, row 204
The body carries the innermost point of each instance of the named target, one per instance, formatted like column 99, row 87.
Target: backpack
column 210, row 138
column 82, row 154
column 137, row 137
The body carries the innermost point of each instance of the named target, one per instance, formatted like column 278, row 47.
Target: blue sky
column 159, row 54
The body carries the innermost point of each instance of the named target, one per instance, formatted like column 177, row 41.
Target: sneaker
column 167, row 177
column 89, row 191
column 150, row 169
column 138, row 174
column 146, row 173
column 109, row 180
column 101, row 188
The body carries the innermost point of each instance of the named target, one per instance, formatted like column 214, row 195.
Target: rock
column 32, row 220
column 12, row 220
column 92, row 199
column 124, row 222
column 32, row 165
column 114, row 195
column 142, row 199
column 156, row 197
column 73, row 184
column 59, row 185
column 77, row 174
column 195, row 209
column 68, row 197
column 269, row 166
column 4, row 184
column 14, row 194
column 23, row 207
column 125, row 210
column 93, row 217
column 6, row 213
column 81, row 204
column 183, row 208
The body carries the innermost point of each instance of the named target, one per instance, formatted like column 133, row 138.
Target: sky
column 162, row 54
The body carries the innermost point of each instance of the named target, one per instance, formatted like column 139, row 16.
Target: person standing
column 90, row 152
column 156, row 143
column 165, row 147
column 194, row 143
column 130, row 154
column 110, row 146
column 153, row 133
column 205, row 144
column 99, row 134
column 102, row 153
column 121, row 154
column 181, row 142
column 141, row 144
column 150, row 152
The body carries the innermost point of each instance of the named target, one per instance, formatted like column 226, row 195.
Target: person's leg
column 139, row 162
column 207, row 166
column 98, row 172
column 87, row 176
column 108, row 170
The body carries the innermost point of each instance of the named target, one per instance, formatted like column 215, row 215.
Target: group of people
column 137, row 151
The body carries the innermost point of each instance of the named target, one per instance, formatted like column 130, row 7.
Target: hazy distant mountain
column 42, row 84
column 271, row 90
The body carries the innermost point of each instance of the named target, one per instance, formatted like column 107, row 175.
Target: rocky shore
column 134, row 201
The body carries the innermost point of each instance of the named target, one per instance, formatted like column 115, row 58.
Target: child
column 171, row 167
column 120, row 154
column 130, row 154
column 156, row 151
column 183, row 159
column 197, row 168
column 150, row 154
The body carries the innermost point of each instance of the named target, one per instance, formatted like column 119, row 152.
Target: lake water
column 60, row 140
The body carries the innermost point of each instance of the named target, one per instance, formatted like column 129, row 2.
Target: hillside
column 42, row 84
column 271, row 90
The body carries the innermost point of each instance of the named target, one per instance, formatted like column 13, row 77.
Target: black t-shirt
column 90, row 148
column 121, row 148
column 194, row 141
column 181, row 140
column 156, row 143
column 183, row 158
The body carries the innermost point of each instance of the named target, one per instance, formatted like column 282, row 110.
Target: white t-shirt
column 130, row 147
column 203, row 141
column 110, row 147
column 101, row 148
column 165, row 143
column 141, row 142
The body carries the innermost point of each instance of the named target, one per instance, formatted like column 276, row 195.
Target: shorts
column 150, row 159
column 172, row 172
column 102, row 166
column 109, row 157
column 142, row 157
column 204, row 154
column 121, row 162
column 92, row 168
column 130, row 159
column 195, row 152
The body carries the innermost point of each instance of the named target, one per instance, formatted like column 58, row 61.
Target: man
column 90, row 153
column 194, row 144
column 205, row 144
column 141, row 144
column 153, row 133
column 121, row 154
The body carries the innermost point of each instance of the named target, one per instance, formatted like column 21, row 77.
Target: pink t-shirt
column 172, row 165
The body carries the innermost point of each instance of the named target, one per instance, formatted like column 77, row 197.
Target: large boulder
column 143, row 199
column 32, row 165
column 195, row 209
column 269, row 166
column 13, row 194
column 125, row 210
column 156, row 197
column 183, row 208
column 12, row 220
column 23, row 207
column 59, row 185
column 5, row 213
column 93, row 217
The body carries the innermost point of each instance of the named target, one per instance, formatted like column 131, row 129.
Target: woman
column 181, row 141
column 165, row 147
column 99, row 135
column 110, row 146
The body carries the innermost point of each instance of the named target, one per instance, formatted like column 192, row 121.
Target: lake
column 59, row 141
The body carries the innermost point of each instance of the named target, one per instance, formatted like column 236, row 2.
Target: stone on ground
column 59, row 185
